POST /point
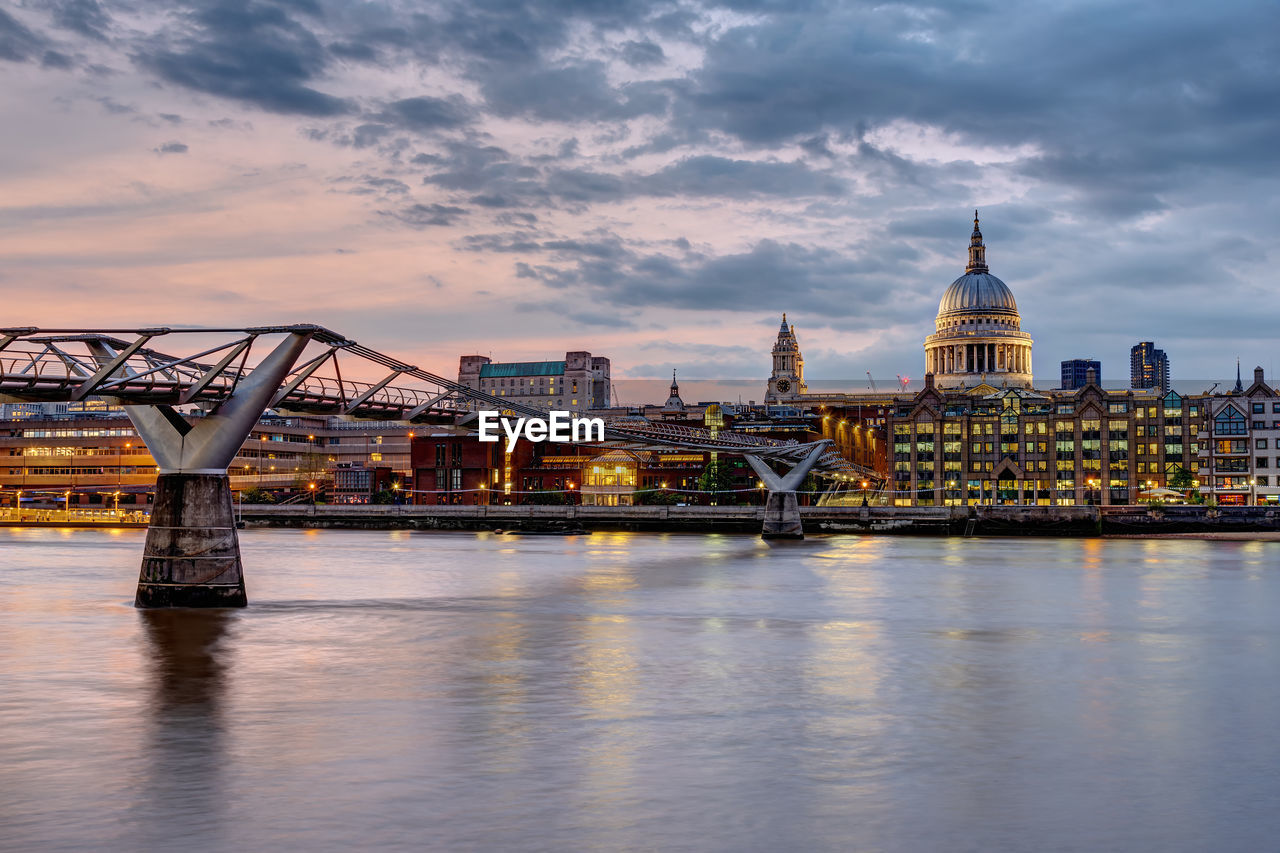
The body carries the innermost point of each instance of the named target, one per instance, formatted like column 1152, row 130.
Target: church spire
column 1239, row 389
column 977, row 251
column 674, row 403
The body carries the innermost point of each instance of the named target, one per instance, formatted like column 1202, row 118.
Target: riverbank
column 937, row 521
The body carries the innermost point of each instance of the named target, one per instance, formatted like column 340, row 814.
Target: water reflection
column 188, row 660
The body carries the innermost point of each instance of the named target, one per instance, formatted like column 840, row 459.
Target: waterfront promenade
column 1004, row 520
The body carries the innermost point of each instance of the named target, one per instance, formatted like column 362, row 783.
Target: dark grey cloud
column 252, row 51
column 426, row 215
column 825, row 282
column 171, row 148
column 18, row 43
column 708, row 175
column 424, row 113
column 641, row 54
column 569, row 93
column 54, row 59
column 84, row 17
column 370, row 185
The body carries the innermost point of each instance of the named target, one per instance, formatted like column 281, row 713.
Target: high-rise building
column 1148, row 367
column 1075, row 373
column 578, row 383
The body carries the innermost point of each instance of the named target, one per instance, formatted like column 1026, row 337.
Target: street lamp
column 395, row 487
column 1253, row 497
column 67, row 504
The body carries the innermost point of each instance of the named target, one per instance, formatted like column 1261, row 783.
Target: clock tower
column 787, row 380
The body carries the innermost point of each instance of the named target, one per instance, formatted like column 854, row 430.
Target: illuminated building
column 978, row 337
column 96, row 455
column 1241, row 464
column 1148, row 367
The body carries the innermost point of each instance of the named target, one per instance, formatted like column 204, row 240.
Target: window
column 1262, row 462
column 375, row 457
column 1262, row 481
column 1259, row 424
column 1259, row 408
column 1229, row 422
column 1275, row 408
column 1260, row 444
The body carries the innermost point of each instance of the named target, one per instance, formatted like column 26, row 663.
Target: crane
column 872, row 381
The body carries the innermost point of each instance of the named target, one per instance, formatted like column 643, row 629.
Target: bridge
column 229, row 377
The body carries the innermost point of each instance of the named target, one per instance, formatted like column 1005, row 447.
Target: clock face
column 784, row 385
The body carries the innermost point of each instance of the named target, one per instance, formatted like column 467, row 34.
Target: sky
column 653, row 182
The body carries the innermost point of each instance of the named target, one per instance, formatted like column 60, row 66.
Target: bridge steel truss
column 192, row 557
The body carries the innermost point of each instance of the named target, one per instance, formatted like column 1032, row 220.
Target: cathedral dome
column 979, row 336
column 977, row 292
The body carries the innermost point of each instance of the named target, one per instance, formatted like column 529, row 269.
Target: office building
column 1075, row 373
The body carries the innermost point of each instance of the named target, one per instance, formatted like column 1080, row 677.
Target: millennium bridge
column 232, row 376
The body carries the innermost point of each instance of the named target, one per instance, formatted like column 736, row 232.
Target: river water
column 457, row 691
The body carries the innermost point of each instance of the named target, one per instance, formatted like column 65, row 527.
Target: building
column 94, row 455
column 786, row 382
column 978, row 337
column 1241, row 464
column 578, row 383
column 988, row 445
column 360, row 484
column 1075, row 373
column 1148, row 367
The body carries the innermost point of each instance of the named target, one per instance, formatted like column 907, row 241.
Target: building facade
column 1241, row 464
column 1148, row 367
column 92, row 456
column 1050, row 448
column 1075, row 373
column 577, row 384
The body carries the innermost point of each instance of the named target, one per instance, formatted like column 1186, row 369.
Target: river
column 458, row 691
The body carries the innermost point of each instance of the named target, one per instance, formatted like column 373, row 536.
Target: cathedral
column 978, row 338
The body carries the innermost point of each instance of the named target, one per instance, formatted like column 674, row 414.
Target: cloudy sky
column 655, row 182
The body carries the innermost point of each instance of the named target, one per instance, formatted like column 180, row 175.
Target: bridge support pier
column 782, row 517
column 192, row 553
column 782, row 509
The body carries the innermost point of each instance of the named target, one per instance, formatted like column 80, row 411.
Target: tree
column 386, row 496
column 256, row 495
column 543, row 497
column 1181, row 479
column 716, row 477
column 657, row 497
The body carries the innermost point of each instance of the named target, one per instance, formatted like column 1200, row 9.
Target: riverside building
column 94, row 456
column 979, row 433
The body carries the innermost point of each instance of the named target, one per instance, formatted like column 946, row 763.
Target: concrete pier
column 782, row 517
column 192, row 555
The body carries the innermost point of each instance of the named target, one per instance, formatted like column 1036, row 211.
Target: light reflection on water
column 621, row 692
